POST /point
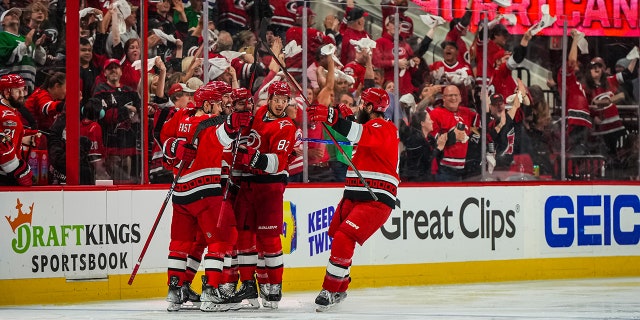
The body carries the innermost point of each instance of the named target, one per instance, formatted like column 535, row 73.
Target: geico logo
column 475, row 220
column 591, row 220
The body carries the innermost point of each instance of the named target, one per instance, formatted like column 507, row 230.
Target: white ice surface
column 613, row 298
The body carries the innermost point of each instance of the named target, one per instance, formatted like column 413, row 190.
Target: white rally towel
column 545, row 22
column 164, row 37
column 432, row 21
column 138, row 64
column 363, row 44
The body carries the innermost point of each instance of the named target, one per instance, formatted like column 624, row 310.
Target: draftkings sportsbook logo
column 51, row 239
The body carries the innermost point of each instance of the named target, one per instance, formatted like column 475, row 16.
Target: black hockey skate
column 175, row 295
column 211, row 298
column 191, row 300
column 228, row 290
column 327, row 300
column 275, row 294
column 248, row 291
column 264, row 294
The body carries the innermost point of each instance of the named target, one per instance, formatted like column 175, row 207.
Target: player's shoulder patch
column 285, row 123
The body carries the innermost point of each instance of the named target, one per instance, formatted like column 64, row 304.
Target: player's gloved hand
column 184, row 151
column 6, row 146
column 23, row 174
column 345, row 111
column 236, row 120
column 248, row 156
column 322, row 113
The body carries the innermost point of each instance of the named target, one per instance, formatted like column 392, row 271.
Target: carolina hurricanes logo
column 240, row 4
column 348, row 71
column 292, row 6
column 376, row 125
column 402, row 52
column 405, row 26
column 253, row 140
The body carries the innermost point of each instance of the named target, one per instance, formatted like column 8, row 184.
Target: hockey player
column 198, row 195
column 259, row 201
column 238, row 265
column 13, row 169
column 358, row 216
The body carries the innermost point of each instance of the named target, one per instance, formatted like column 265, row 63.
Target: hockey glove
column 23, row 174
column 184, row 151
column 322, row 113
column 236, row 120
column 248, row 156
column 6, row 147
column 346, row 112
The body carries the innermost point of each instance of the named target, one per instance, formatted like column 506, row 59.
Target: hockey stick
column 324, row 125
column 201, row 126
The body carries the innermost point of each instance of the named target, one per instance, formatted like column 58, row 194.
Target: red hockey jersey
column 376, row 157
column 201, row 178
column 275, row 139
column 443, row 121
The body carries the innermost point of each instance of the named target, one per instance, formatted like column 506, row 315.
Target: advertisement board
column 92, row 234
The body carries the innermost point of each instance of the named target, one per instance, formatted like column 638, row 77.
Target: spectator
column 450, row 70
column 332, row 28
column 388, row 8
column 283, row 18
column 121, row 124
column 352, row 28
column 600, row 90
column 384, row 58
column 507, row 132
column 89, row 69
column 123, row 27
column 421, row 149
column 91, row 113
column 315, row 40
column 233, row 16
column 455, row 121
column 20, row 54
column 579, row 122
column 457, row 30
column 47, row 101
column 539, row 132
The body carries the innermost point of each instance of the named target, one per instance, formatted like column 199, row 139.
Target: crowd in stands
column 440, row 103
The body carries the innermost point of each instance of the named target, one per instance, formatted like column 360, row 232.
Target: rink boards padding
column 74, row 244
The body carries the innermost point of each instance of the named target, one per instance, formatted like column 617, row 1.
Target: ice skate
column 327, row 300
column 275, row 295
column 191, row 299
column 211, row 299
column 228, row 290
column 264, row 295
column 248, row 291
column 174, row 296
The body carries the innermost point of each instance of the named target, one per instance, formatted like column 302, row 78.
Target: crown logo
column 22, row 217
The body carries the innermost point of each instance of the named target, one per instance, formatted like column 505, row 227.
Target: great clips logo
column 28, row 236
column 592, row 220
column 475, row 219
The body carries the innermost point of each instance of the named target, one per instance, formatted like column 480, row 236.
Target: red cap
column 109, row 62
column 179, row 87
